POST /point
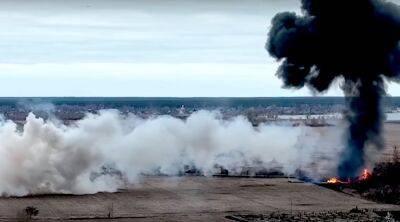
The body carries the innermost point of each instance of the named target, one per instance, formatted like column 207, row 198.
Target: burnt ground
column 191, row 199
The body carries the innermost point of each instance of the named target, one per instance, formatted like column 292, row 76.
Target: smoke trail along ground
column 105, row 151
column 357, row 40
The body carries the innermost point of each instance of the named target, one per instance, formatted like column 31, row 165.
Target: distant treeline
column 187, row 102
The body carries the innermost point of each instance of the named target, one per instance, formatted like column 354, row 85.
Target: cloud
column 76, row 42
column 133, row 31
column 141, row 79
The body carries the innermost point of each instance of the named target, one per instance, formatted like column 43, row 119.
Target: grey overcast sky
column 141, row 48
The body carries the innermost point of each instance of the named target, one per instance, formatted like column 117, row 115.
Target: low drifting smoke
column 106, row 151
column 358, row 41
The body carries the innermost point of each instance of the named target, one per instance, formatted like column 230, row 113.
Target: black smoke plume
column 354, row 39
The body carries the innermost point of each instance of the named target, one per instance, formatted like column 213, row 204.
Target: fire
column 365, row 175
column 334, row 180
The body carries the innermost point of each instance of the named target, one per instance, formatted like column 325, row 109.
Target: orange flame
column 334, row 180
column 365, row 175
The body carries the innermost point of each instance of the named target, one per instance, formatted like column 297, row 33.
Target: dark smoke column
column 354, row 39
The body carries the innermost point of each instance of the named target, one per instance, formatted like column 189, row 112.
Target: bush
column 31, row 211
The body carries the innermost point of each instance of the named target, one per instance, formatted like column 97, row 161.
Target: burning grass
column 381, row 185
column 365, row 176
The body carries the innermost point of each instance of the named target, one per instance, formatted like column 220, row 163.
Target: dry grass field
column 392, row 138
column 189, row 199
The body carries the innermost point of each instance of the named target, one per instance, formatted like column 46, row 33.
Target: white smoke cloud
column 104, row 151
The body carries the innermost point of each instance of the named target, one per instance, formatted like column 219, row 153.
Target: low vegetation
column 384, row 183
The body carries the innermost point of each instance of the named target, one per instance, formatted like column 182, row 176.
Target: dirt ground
column 189, row 199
